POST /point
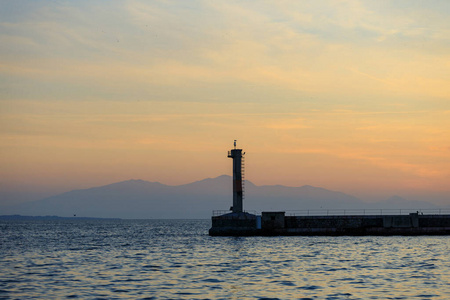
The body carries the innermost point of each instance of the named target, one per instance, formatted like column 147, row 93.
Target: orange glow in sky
column 351, row 96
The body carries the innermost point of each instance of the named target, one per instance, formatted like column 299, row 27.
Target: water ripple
column 176, row 259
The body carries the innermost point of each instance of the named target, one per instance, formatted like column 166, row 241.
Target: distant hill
column 397, row 202
column 138, row 199
column 34, row 218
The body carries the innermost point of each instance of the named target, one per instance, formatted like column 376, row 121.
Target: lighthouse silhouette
column 238, row 191
column 237, row 222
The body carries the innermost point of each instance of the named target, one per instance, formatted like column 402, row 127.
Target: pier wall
column 276, row 223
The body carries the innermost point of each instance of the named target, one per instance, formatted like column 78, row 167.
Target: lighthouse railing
column 216, row 213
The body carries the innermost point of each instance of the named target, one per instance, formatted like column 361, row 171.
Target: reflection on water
column 176, row 259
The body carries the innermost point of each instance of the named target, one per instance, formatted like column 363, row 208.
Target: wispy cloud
column 321, row 85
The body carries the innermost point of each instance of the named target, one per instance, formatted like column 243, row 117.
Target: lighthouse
column 238, row 191
column 237, row 222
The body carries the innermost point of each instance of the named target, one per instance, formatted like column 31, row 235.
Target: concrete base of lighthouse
column 235, row 224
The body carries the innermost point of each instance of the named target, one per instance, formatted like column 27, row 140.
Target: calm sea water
column 176, row 259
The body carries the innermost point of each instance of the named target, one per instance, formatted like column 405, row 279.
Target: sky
column 352, row 96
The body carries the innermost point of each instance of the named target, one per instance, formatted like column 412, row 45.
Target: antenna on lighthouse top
column 234, row 144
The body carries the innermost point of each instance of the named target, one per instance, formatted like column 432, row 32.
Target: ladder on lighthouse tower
column 243, row 175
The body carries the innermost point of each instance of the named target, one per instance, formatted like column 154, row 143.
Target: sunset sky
column 352, row 96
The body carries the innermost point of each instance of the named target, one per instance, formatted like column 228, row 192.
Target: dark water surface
column 176, row 259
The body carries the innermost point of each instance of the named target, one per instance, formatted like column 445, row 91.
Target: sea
column 176, row 259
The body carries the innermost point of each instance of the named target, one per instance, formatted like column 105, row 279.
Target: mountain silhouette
column 139, row 199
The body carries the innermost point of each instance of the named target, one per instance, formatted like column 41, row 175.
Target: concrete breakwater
column 241, row 223
column 277, row 223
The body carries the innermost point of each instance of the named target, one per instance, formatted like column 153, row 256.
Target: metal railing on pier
column 366, row 212
column 216, row 213
column 349, row 212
